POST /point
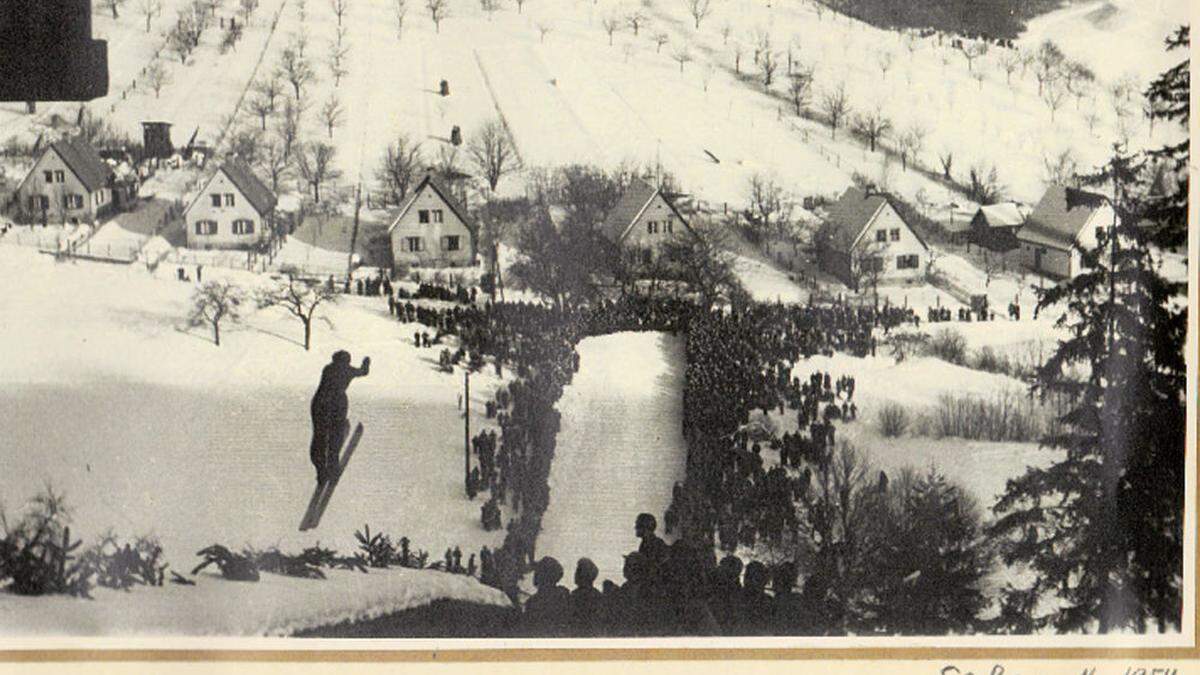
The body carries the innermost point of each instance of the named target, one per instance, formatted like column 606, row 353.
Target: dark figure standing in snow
column 330, row 409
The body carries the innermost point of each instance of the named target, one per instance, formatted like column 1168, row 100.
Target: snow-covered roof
column 1007, row 214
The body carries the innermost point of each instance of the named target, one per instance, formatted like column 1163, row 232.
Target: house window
column 216, row 200
column 908, row 262
column 652, row 227
column 896, row 234
column 880, row 235
column 243, row 226
column 48, row 176
column 872, row 264
column 228, row 199
column 74, row 201
column 437, row 215
column 670, row 226
column 450, row 243
column 647, row 256
column 423, row 216
column 413, row 244
column 58, row 177
column 206, row 227
column 43, row 202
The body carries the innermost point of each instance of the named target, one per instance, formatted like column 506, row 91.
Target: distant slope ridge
column 995, row 18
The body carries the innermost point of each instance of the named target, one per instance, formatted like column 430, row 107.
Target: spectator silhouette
column 547, row 610
column 653, row 548
column 755, row 601
column 587, row 604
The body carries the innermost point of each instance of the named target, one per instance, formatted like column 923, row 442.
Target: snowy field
column 149, row 428
column 980, row 467
column 275, row 606
column 620, row 450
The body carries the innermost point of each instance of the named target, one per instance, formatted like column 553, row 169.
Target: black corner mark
column 47, row 52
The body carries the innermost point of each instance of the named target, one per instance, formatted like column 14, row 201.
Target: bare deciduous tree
column 339, row 8
column 946, row 158
column 800, row 88
column 1060, row 168
column 872, row 126
column 298, row 298
column 489, row 7
column 681, row 55
column 726, row 31
column 314, row 163
column 911, row 143
column 113, row 5
column 331, row 114
column 246, row 9
column 157, row 77
column 769, row 208
column 273, row 162
column 543, row 30
column 400, row 165
column 296, row 69
column 1054, row 94
column 149, row 9
column 1010, row 61
column 972, row 51
column 337, row 62
column 635, row 18
column 885, row 59
column 288, row 126
column 492, row 152
column 611, row 24
column 836, row 106
column 214, row 302
column 521, row 6
column 699, row 10
column 438, row 11
column 660, row 39
column 768, row 63
column 1049, row 60
column 399, row 11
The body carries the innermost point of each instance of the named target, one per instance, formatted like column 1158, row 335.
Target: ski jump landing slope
column 620, row 449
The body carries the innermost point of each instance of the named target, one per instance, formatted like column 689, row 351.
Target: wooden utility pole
column 354, row 232
column 467, row 428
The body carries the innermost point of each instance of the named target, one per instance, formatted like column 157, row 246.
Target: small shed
column 995, row 226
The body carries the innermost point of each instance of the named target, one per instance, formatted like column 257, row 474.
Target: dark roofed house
column 69, row 183
column 234, row 209
column 863, row 231
column 995, row 226
column 433, row 229
column 1064, row 216
column 643, row 219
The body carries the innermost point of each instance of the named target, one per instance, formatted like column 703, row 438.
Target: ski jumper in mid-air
column 330, row 409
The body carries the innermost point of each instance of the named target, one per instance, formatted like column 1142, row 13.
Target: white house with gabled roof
column 433, row 229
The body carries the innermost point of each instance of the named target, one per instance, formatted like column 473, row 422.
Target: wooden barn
column 863, row 231
column 1064, row 217
column 69, row 183
column 995, row 226
column 433, row 229
column 642, row 221
column 234, row 209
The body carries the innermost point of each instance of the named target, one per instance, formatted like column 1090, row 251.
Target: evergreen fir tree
column 931, row 560
column 1102, row 528
column 1170, row 95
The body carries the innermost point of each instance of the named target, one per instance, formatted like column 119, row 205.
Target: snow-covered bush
column 893, row 420
column 36, row 552
column 948, row 345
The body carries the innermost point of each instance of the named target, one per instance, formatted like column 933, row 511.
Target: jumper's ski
column 321, row 496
